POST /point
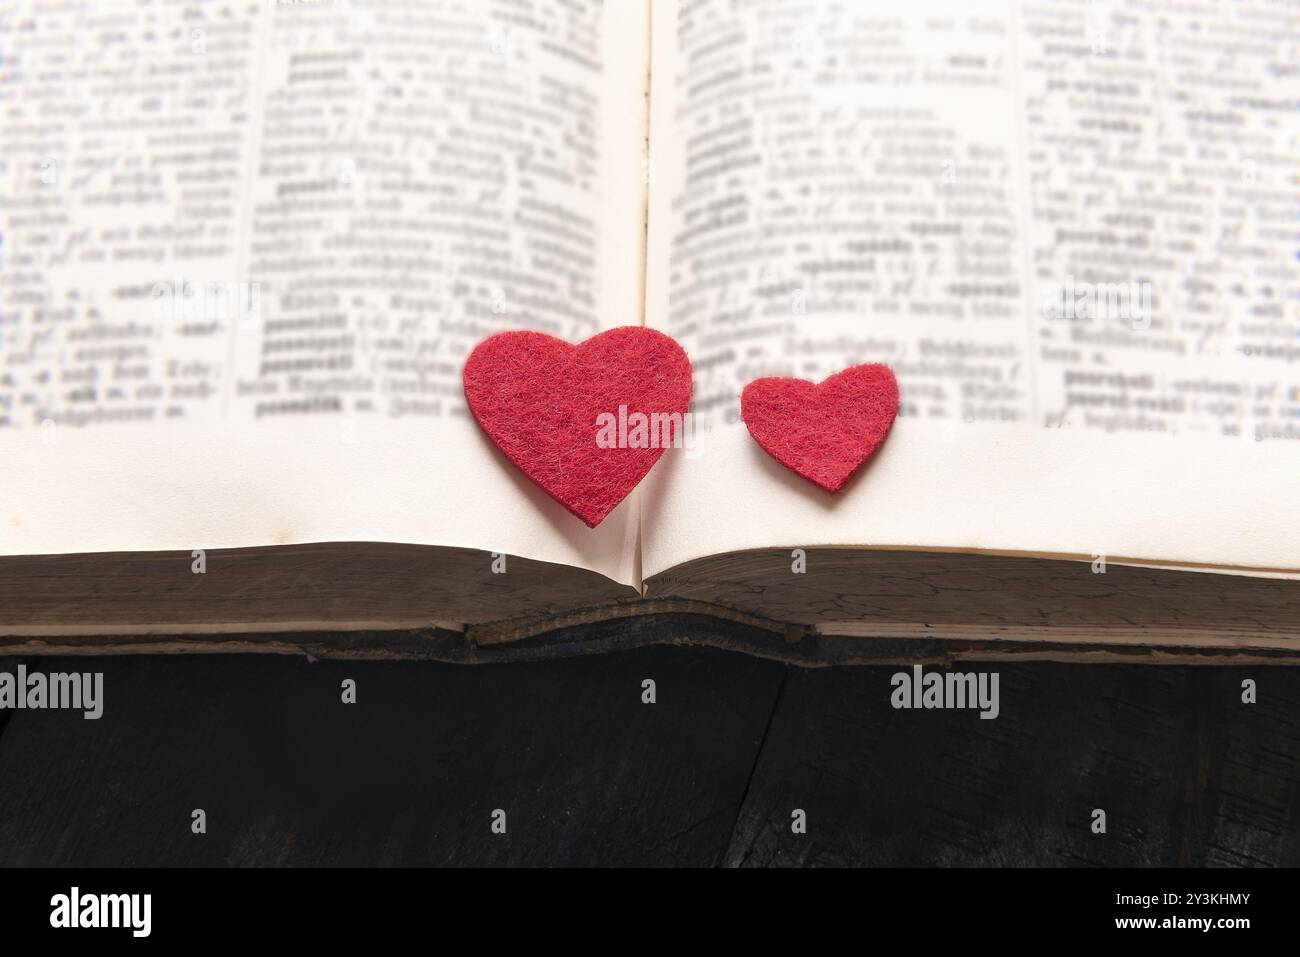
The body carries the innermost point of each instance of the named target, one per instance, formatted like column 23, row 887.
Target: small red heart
column 547, row 405
column 823, row 432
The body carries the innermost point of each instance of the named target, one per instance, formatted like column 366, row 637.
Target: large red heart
column 549, row 406
column 823, row 432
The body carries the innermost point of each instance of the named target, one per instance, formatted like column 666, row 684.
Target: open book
column 247, row 247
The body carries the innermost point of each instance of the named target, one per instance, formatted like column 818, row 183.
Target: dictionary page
column 246, row 248
column 1070, row 228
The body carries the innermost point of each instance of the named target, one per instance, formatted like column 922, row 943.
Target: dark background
column 1188, row 775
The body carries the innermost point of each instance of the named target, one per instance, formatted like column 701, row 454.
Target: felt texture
column 540, row 399
column 823, row 432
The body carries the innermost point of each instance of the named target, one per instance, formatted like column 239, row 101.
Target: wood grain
column 1187, row 774
column 409, row 775
column 588, row 774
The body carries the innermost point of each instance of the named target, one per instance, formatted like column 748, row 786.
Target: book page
column 1069, row 227
column 247, row 247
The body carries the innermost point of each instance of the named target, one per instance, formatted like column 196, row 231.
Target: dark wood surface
column 708, row 775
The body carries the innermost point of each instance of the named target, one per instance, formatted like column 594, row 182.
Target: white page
column 912, row 184
column 379, row 185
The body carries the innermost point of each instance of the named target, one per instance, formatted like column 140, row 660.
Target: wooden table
column 708, row 775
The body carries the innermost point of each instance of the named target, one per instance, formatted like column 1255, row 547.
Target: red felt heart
column 568, row 415
column 823, row 432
